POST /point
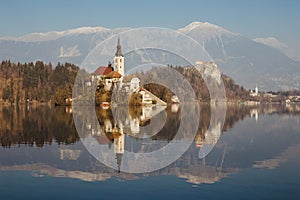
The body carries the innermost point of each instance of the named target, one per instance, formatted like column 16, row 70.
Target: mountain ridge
column 282, row 47
column 44, row 36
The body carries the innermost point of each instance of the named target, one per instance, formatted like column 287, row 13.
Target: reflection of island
column 128, row 120
column 118, row 121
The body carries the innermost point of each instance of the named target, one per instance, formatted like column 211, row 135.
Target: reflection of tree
column 103, row 114
column 36, row 126
column 235, row 113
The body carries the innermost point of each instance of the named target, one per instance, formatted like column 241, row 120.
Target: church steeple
column 119, row 51
column 119, row 59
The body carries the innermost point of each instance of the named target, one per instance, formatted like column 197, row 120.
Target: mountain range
column 262, row 61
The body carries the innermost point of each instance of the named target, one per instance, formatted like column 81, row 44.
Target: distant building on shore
column 254, row 93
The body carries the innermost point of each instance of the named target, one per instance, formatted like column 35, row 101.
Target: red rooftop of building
column 102, row 70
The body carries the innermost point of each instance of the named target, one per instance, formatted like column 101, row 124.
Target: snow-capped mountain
column 247, row 61
column 205, row 27
column 53, row 35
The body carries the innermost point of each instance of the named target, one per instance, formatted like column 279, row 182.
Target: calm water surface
column 255, row 155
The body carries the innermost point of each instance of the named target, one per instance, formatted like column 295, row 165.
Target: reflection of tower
column 119, row 60
column 119, row 149
column 254, row 113
column 119, row 144
column 119, row 161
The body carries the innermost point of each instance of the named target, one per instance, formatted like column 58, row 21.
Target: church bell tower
column 119, row 60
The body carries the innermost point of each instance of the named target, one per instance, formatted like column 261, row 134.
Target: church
column 109, row 74
column 113, row 75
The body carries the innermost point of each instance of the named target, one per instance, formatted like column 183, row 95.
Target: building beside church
column 100, row 72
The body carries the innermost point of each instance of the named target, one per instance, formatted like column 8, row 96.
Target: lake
column 253, row 153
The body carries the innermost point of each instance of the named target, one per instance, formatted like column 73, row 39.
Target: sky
column 252, row 19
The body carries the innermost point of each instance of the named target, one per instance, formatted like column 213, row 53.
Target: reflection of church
column 120, row 121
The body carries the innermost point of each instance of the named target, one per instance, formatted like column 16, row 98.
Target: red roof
column 114, row 74
column 102, row 70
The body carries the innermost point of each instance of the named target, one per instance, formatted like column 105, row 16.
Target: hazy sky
column 255, row 18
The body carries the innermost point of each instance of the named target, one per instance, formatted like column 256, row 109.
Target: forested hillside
column 37, row 81
column 234, row 92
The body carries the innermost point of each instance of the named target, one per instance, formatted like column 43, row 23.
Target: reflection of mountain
column 198, row 171
column 41, row 169
column 290, row 153
column 202, row 174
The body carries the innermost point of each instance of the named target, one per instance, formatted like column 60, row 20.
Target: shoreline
column 246, row 103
